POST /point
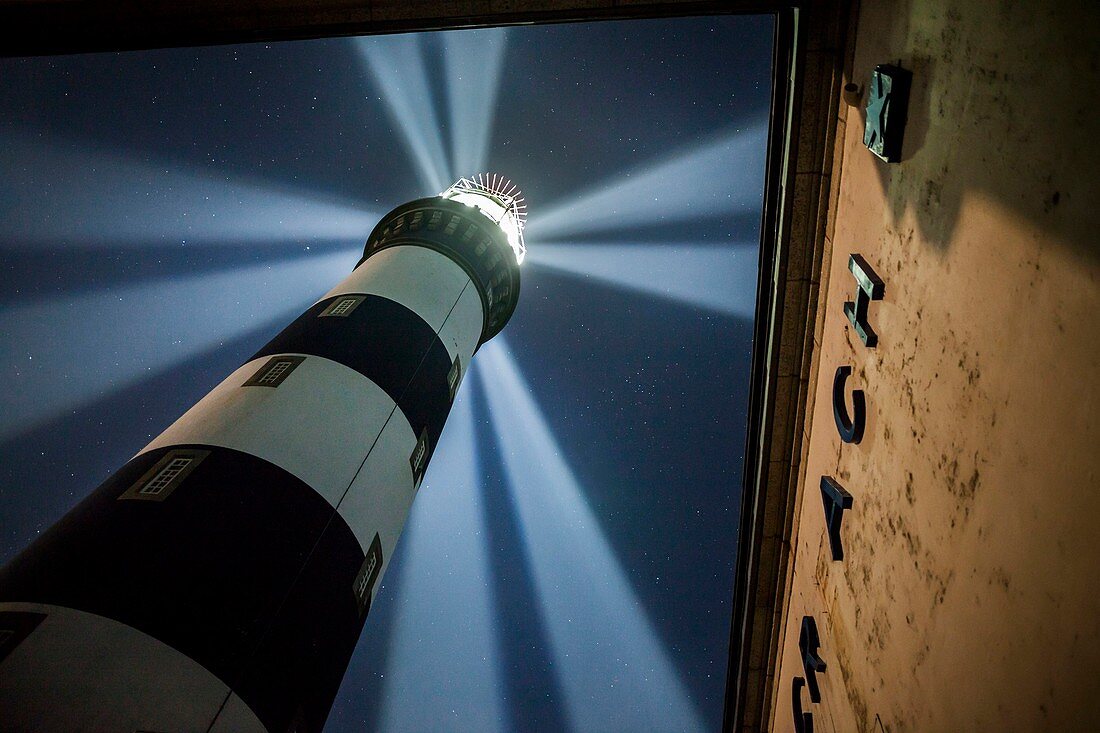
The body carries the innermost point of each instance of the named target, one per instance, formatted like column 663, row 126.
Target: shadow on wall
column 1000, row 104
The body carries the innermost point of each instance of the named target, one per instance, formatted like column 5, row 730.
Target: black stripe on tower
column 388, row 344
column 244, row 568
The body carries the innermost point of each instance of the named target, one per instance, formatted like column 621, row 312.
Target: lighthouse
column 220, row 579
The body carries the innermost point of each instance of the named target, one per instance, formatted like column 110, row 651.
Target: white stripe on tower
column 317, row 424
column 461, row 333
column 425, row 281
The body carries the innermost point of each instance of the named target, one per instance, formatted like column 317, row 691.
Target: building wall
column 33, row 27
column 966, row 599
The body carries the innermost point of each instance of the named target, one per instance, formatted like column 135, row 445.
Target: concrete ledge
column 794, row 230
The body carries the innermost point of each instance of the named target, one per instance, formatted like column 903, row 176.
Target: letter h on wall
column 869, row 286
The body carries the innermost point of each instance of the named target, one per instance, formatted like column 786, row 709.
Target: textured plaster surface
column 967, row 597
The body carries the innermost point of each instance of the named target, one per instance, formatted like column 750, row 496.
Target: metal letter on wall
column 869, row 286
column 812, row 663
column 803, row 722
column 850, row 428
column 887, row 108
column 836, row 500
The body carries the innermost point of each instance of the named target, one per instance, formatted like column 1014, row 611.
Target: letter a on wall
column 836, row 500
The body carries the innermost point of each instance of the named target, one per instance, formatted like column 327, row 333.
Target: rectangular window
column 454, row 377
column 160, row 482
column 275, row 371
column 368, row 569
column 343, row 306
column 419, row 458
column 274, row 375
column 367, row 575
column 166, row 475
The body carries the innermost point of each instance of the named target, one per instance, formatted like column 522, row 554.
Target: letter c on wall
column 850, row 428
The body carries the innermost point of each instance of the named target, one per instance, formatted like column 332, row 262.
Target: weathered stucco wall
column 967, row 598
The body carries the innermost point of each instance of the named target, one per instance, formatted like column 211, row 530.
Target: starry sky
column 568, row 564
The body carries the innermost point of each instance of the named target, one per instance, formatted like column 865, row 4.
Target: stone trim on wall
column 810, row 74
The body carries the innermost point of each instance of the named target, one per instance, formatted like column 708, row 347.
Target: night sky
column 568, row 563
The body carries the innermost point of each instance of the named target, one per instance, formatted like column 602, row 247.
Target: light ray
column 613, row 668
column 396, row 63
column 59, row 354
column 684, row 188
column 59, row 192
column 473, row 60
column 446, row 614
column 718, row 278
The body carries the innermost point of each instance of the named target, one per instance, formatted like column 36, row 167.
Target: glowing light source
column 67, row 352
column 396, row 63
column 498, row 199
column 101, row 198
column 680, row 189
column 446, row 612
column 605, row 648
column 718, row 278
column 473, row 61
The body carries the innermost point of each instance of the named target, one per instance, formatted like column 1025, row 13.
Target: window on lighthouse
column 368, row 573
column 361, row 588
column 419, row 458
column 453, row 378
column 343, row 306
column 166, row 475
column 274, row 375
column 275, row 371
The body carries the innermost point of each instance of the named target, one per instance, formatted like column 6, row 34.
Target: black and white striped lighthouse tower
column 219, row 580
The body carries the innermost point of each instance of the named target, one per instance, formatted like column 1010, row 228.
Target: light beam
column 604, row 647
column 683, row 188
column 718, row 278
column 446, row 614
column 59, row 354
column 473, row 60
column 396, row 63
column 59, row 192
